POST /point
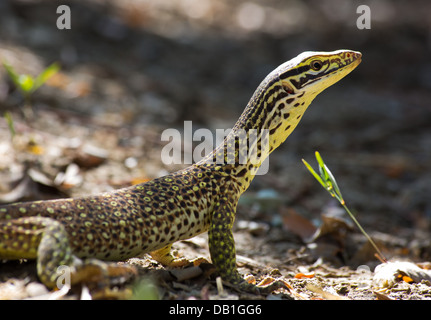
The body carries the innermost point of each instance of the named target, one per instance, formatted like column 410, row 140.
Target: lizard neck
column 269, row 118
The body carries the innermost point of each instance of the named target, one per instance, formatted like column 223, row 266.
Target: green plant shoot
column 10, row 123
column 28, row 84
column 327, row 180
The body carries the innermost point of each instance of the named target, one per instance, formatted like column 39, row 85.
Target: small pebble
column 35, row 289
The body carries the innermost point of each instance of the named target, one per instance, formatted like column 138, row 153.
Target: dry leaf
column 135, row 181
column 297, row 224
column 407, row 279
column 325, row 294
column 186, row 273
column 332, row 224
column 266, row 281
column 89, row 156
column 381, row 296
column 301, row 275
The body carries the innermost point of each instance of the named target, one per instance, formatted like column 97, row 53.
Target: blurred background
column 132, row 68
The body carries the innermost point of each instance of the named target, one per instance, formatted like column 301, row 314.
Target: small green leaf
column 12, row 74
column 45, row 75
column 334, row 182
column 319, row 159
column 322, row 168
column 314, row 173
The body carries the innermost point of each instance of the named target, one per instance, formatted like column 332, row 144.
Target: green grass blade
column 315, row 175
column 334, row 184
column 327, row 180
column 10, row 123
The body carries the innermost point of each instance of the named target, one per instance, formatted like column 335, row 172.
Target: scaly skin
column 149, row 217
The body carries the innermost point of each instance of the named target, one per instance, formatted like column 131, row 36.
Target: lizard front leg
column 222, row 250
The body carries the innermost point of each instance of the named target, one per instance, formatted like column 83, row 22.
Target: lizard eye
column 316, row 65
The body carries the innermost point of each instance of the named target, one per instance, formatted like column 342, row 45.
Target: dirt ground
column 131, row 69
